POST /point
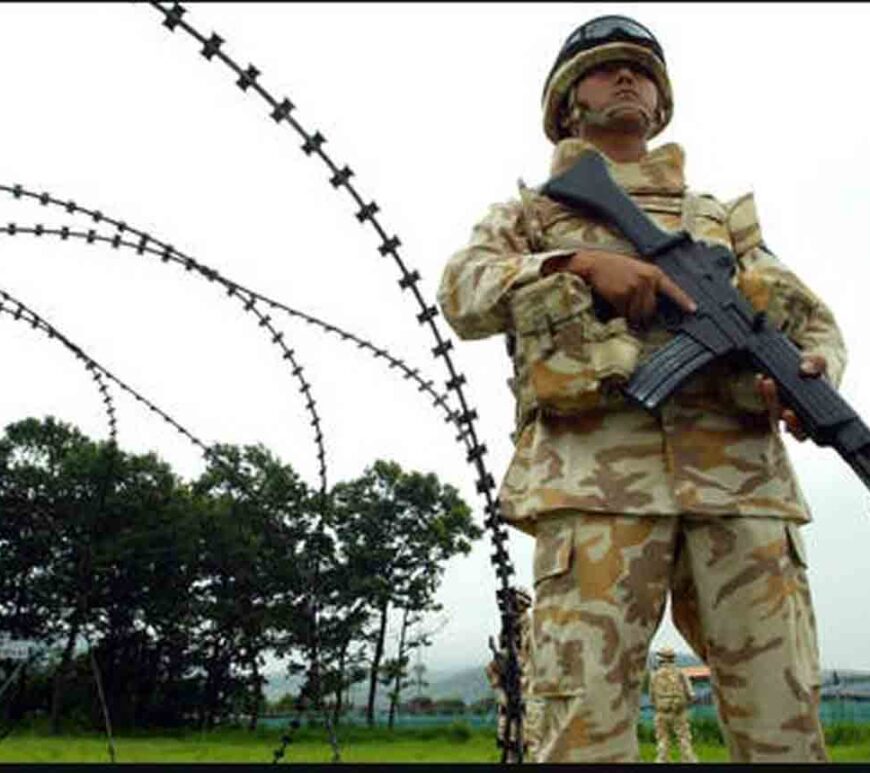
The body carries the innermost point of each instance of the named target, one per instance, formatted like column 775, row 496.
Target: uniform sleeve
column 478, row 281
column 775, row 289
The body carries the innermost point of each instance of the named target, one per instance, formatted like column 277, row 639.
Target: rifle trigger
column 670, row 314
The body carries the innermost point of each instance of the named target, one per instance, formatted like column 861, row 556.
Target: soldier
column 531, row 716
column 671, row 693
column 699, row 500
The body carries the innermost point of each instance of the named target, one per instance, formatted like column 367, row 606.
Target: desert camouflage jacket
column 670, row 688
column 712, row 450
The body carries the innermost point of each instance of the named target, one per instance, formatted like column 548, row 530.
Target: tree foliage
column 183, row 588
column 397, row 530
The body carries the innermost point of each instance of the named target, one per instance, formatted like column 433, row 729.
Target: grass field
column 455, row 743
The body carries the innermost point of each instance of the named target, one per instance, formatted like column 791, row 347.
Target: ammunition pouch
column 566, row 359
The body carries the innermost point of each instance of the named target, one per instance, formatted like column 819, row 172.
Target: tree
column 411, row 637
column 397, row 530
column 420, row 682
column 178, row 587
column 258, row 518
column 181, row 587
column 53, row 481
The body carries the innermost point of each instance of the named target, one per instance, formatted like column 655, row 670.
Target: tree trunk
column 376, row 664
column 213, row 682
column 256, row 694
column 60, row 675
column 17, row 707
column 397, row 685
column 339, row 687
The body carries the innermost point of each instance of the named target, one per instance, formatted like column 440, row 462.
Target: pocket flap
column 555, row 298
column 553, row 549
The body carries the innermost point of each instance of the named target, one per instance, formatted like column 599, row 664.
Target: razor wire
column 281, row 112
column 248, row 298
column 18, row 312
column 147, row 244
column 21, row 311
column 167, row 253
column 12, row 306
column 101, row 694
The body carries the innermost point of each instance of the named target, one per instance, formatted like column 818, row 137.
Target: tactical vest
column 569, row 354
column 667, row 690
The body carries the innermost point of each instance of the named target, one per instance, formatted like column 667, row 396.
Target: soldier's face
column 622, row 89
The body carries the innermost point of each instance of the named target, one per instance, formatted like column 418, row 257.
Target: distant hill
column 470, row 684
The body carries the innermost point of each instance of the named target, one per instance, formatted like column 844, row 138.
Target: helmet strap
column 604, row 118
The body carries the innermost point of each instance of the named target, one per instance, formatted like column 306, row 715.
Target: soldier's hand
column 628, row 284
column 812, row 366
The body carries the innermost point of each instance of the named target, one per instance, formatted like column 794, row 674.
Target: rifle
column 725, row 323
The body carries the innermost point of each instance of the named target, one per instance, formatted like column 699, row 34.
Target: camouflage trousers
column 677, row 722
column 532, row 727
column 739, row 596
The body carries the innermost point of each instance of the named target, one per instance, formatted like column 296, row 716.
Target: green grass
column 455, row 743
column 357, row 745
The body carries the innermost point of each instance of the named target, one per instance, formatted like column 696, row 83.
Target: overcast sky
column 437, row 110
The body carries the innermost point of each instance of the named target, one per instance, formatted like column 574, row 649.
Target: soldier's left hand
column 812, row 366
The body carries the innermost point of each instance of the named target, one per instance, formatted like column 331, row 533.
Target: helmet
column 604, row 39
column 666, row 654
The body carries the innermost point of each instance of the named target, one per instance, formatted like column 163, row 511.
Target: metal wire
column 146, row 244
column 313, row 142
column 18, row 313
column 19, row 310
column 166, row 253
column 107, row 720
column 248, row 298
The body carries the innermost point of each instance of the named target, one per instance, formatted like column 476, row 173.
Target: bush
column 458, row 732
column 645, row 733
column 706, row 730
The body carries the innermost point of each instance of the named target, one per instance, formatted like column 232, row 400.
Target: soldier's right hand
column 629, row 285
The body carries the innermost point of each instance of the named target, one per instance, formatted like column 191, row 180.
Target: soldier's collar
column 659, row 171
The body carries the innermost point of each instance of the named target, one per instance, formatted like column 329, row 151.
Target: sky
column 437, row 110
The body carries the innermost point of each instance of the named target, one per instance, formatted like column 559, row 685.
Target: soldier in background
column 532, row 706
column 698, row 501
column 671, row 694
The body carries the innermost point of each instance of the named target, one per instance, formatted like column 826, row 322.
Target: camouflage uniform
column 671, row 693
column 625, row 506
